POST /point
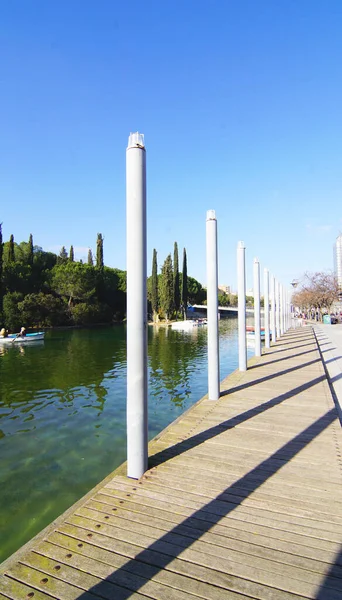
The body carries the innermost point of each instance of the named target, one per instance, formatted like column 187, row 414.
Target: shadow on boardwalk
column 330, row 579
column 150, row 561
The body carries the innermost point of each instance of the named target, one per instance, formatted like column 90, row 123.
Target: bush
column 43, row 310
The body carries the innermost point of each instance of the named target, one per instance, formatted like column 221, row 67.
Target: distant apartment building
column 338, row 260
column 224, row 288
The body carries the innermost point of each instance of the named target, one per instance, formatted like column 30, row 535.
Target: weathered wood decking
column 243, row 500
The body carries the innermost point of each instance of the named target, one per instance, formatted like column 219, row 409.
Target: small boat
column 189, row 324
column 28, row 338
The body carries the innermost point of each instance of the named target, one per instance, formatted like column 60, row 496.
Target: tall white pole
column 266, row 308
column 277, row 309
column 241, row 277
column 137, row 437
column 273, row 311
column 212, row 308
column 285, row 308
column 281, row 308
column 257, row 318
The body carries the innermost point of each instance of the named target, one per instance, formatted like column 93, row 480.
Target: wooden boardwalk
column 243, row 499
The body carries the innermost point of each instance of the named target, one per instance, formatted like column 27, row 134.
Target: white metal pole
column 277, row 309
column 273, row 312
column 212, row 308
column 266, row 308
column 257, row 318
column 241, row 277
column 137, row 437
column 285, row 309
column 281, row 309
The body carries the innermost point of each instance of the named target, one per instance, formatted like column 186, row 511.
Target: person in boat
column 3, row 333
column 22, row 333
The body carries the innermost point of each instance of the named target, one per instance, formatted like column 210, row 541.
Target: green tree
column 99, row 251
column 74, row 281
column 11, row 313
column 166, row 288
column 10, row 255
column 30, row 250
column 176, row 289
column 154, row 290
column 43, row 310
column 184, row 284
column 71, row 254
column 196, row 293
column 1, row 268
column 90, row 257
column 63, row 256
column 223, row 299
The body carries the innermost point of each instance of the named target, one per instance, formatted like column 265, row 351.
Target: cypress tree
column 184, row 284
column 166, row 291
column 63, row 256
column 90, row 257
column 30, row 250
column 71, row 254
column 154, row 300
column 99, row 251
column 11, row 257
column 176, row 290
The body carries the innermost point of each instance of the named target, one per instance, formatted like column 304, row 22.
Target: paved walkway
column 243, row 499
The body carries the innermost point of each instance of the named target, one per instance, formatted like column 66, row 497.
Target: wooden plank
column 218, row 535
column 49, row 585
column 329, row 531
column 131, row 576
column 15, row 590
column 234, row 520
column 284, row 579
column 89, row 574
column 133, row 522
column 156, row 559
column 254, row 534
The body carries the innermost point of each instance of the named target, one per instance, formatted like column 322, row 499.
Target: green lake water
column 63, row 418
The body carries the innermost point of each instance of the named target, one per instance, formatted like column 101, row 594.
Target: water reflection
column 173, row 358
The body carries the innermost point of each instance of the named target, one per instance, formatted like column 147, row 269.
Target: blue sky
column 240, row 104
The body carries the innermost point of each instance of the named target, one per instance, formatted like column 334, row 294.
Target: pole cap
column 241, row 245
column 211, row 215
column 136, row 140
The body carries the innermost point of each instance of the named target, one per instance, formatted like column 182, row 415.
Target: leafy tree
column 184, row 284
column 176, row 290
column 90, row 257
column 17, row 277
column 154, row 290
column 42, row 310
column 99, row 251
column 196, row 293
column 1, row 267
column 233, row 300
column 318, row 293
column 11, row 256
column 30, row 251
column 86, row 314
column 74, row 281
column 223, row 300
column 63, row 256
column 11, row 313
column 166, row 288
column 71, row 254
